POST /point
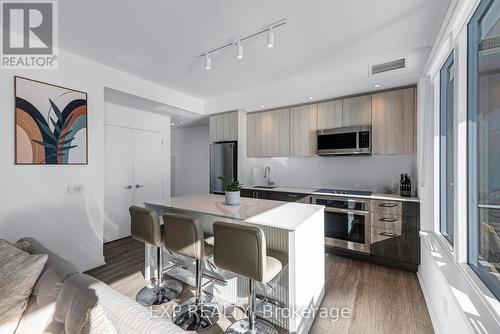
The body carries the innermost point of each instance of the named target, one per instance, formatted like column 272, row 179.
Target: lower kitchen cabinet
column 404, row 247
column 394, row 233
column 275, row 195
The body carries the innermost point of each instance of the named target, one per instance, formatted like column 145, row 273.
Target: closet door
column 148, row 166
column 118, row 181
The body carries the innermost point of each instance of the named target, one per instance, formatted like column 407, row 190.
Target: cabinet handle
column 388, row 220
column 388, row 234
column 139, row 186
column 388, row 205
column 292, row 195
column 128, row 187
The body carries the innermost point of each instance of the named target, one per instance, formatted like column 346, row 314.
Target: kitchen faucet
column 267, row 175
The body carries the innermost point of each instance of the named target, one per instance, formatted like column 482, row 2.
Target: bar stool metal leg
column 199, row 312
column 252, row 324
column 163, row 291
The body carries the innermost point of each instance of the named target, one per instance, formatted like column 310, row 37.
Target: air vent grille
column 389, row 66
column 490, row 43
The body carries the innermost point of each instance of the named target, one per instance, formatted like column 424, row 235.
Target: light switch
column 76, row 189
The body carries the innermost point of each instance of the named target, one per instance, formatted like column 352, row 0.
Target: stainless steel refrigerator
column 223, row 162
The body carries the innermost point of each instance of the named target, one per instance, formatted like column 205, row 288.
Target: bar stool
column 251, row 261
column 184, row 236
column 145, row 227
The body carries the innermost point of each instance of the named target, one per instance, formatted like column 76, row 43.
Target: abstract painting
column 51, row 124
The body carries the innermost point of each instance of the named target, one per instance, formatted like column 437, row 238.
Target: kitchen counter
column 311, row 191
column 296, row 230
column 276, row 214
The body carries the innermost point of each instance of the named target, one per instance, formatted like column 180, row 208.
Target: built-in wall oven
column 347, row 222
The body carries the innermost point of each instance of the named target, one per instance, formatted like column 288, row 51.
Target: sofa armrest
column 81, row 292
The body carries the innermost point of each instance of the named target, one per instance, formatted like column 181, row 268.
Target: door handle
column 388, row 205
column 128, row 187
column 388, row 234
column 388, row 220
column 139, row 186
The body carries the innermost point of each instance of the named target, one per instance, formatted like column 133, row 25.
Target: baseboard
column 373, row 259
column 436, row 325
column 89, row 264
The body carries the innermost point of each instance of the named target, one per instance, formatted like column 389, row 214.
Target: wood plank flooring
column 375, row 299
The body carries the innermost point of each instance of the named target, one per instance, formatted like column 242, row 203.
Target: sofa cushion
column 81, row 292
column 38, row 317
column 96, row 322
column 19, row 272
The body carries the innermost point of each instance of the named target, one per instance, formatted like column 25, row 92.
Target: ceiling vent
column 389, row 66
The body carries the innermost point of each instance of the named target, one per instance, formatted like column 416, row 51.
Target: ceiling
column 325, row 42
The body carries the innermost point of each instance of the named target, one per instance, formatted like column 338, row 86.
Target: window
column 484, row 143
column 446, row 159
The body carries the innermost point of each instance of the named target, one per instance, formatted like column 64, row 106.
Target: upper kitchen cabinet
column 278, row 133
column 223, row 127
column 330, row 115
column 257, row 134
column 393, row 122
column 357, row 111
column 303, row 126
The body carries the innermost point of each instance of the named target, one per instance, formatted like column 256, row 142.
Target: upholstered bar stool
column 252, row 261
column 146, row 227
column 184, row 236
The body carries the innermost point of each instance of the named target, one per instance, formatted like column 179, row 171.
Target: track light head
column 270, row 38
column 208, row 62
column 239, row 50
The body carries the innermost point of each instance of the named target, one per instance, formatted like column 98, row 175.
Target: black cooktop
column 343, row 192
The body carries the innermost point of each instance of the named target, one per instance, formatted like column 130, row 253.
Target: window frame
column 472, row 100
column 443, row 114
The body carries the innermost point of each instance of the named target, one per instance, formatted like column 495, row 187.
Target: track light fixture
column 270, row 38
column 208, row 62
column 239, row 50
column 269, row 29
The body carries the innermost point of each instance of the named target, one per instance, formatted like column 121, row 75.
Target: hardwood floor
column 375, row 299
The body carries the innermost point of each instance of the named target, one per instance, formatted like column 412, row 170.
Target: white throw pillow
column 19, row 272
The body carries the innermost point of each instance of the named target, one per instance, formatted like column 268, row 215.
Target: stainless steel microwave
column 345, row 141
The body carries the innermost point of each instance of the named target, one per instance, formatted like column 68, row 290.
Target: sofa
column 64, row 300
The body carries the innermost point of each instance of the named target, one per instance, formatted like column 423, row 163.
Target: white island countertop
column 284, row 215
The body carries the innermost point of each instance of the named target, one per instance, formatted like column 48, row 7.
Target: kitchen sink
column 264, row 187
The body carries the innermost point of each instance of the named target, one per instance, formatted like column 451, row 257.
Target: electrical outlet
column 76, row 189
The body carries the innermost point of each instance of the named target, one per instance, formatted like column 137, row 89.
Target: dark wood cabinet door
column 247, row 193
column 397, row 244
column 291, row 197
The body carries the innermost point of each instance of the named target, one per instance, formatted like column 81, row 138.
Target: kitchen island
column 295, row 229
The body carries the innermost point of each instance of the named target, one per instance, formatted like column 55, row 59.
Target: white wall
column 190, row 160
column 374, row 173
column 34, row 199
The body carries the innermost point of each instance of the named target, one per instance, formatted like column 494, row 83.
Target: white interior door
column 118, row 181
column 148, row 166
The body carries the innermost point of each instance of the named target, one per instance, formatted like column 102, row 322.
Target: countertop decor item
column 405, row 185
column 232, row 189
column 50, row 124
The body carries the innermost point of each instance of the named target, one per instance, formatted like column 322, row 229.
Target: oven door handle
column 339, row 210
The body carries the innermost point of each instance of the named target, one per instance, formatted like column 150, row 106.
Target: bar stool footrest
column 271, row 301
